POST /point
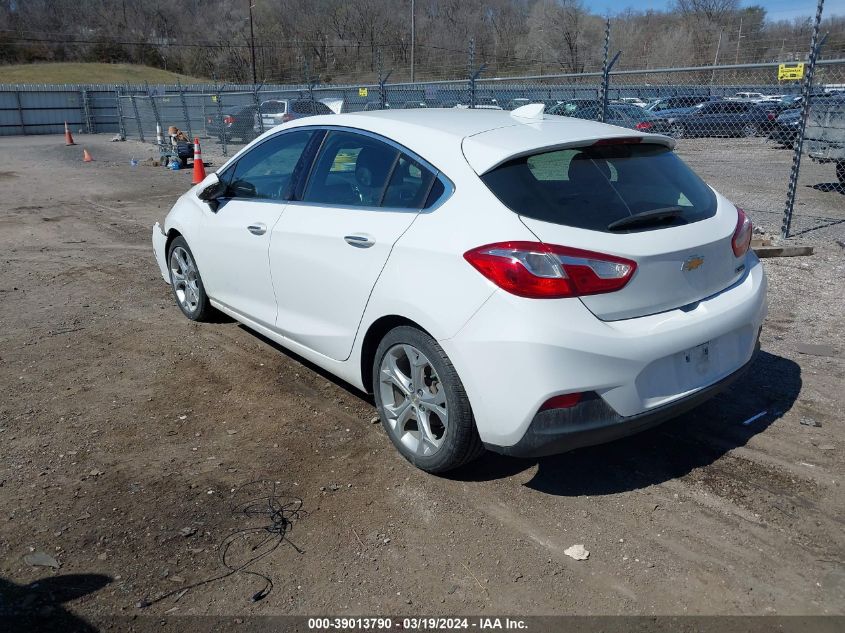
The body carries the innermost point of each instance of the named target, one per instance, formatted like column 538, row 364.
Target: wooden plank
column 783, row 251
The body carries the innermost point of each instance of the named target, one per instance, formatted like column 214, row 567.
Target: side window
column 409, row 185
column 265, row 172
column 351, row 170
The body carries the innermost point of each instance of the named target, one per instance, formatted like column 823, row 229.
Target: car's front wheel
column 186, row 282
column 422, row 402
column 749, row 130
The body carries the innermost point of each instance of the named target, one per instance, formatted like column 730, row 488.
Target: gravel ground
column 128, row 432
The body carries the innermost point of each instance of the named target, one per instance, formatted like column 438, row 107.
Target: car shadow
column 829, row 186
column 694, row 439
column 37, row 606
column 309, row 365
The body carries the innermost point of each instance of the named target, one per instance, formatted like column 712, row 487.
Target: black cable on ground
column 281, row 512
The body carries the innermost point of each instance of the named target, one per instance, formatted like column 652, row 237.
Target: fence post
column 20, row 111
column 137, row 118
column 155, row 112
column 257, row 103
column 85, row 108
column 382, row 80
column 221, row 124
column 184, row 109
column 603, row 88
column 806, row 87
column 121, row 126
column 473, row 74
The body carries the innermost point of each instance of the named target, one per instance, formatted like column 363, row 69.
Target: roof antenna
column 530, row 112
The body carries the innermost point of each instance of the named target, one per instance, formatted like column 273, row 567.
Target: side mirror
column 212, row 192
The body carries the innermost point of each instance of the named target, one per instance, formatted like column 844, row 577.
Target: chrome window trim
column 448, row 185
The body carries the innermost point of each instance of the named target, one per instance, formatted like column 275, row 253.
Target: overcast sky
column 775, row 9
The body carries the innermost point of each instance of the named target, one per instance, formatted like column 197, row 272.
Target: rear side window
column 409, row 185
column 593, row 187
column 351, row 170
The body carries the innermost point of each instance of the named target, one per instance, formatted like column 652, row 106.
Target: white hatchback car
column 509, row 280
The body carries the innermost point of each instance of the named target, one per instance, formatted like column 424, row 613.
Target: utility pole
column 252, row 44
column 716, row 59
column 738, row 38
column 413, row 38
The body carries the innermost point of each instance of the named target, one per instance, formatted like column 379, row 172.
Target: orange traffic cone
column 68, row 136
column 199, row 168
column 86, row 157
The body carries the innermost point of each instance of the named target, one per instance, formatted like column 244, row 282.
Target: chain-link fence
column 737, row 125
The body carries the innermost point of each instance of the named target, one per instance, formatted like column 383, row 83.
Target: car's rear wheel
column 186, row 282
column 422, row 402
column 676, row 130
column 749, row 130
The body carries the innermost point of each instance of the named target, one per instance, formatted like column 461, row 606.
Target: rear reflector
column 644, row 125
column 228, row 119
column 565, row 401
column 545, row 271
column 742, row 234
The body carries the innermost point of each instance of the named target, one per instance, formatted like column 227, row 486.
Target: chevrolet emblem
column 692, row 263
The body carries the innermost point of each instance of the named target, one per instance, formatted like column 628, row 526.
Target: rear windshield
column 593, row 187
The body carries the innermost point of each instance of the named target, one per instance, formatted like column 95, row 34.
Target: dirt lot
column 125, row 429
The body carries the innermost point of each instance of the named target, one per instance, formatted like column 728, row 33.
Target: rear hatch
column 272, row 113
column 633, row 199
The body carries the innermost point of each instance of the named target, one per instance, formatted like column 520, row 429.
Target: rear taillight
column 287, row 117
column 770, row 116
column 545, row 271
column 643, row 125
column 742, row 234
column 228, row 119
column 210, row 120
column 566, row 401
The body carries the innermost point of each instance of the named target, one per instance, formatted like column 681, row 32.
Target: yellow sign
column 363, row 92
column 789, row 73
column 214, row 98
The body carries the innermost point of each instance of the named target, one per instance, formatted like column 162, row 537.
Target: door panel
column 235, row 241
column 324, row 261
column 328, row 250
column 235, row 237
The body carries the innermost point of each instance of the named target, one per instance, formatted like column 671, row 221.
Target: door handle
column 257, row 229
column 359, row 241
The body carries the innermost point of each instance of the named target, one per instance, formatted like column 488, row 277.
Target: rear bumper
column 594, row 422
column 515, row 354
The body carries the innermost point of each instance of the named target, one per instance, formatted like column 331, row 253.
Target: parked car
column 825, row 134
column 570, row 107
column 233, row 122
column 513, row 104
column 283, row 110
column 527, row 285
column 414, row 104
column 375, row 105
column 679, row 102
column 481, row 103
column 625, row 115
column 632, row 101
column 754, row 97
column 785, row 127
column 722, row 118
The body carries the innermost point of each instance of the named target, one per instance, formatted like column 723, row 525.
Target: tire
column 185, row 280
column 677, row 130
column 748, row 130
column 442, row 442
column 840, row 173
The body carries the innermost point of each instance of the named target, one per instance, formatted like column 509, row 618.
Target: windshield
column 593, row 187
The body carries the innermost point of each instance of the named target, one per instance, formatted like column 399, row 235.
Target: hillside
column 88, row 73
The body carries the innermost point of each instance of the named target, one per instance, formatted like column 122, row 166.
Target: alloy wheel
column 185, row 279
column 413, row 400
